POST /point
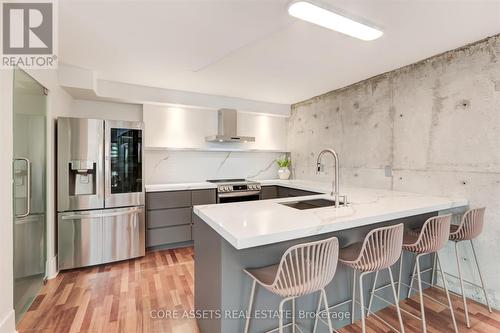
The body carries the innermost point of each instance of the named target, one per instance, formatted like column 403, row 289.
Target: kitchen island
column 234, row 236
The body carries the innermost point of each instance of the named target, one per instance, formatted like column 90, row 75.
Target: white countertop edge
column 261, row 240
column 179, row 187
column 296, row 184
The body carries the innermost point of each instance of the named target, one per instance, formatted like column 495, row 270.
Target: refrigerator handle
column 111, row 214
column 28, row 185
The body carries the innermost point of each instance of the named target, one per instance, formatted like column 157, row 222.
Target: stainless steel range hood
column 228, row 128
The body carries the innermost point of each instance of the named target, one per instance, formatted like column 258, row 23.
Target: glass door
column 29, row 189
column 124, row 169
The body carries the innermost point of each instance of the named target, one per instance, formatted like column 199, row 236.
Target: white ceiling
column 253, row 49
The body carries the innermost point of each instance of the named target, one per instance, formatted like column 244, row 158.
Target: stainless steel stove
column 235, row 190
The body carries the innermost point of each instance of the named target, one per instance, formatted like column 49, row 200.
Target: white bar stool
column 432, row 237
column 380, row 250
column 470, row 227
column 303, row 269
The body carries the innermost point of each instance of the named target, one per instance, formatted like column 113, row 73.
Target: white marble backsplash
column 187, row 166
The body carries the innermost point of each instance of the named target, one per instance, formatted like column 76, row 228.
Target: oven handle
column 238, row 194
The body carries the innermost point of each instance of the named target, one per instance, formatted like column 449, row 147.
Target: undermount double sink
column 312, row 203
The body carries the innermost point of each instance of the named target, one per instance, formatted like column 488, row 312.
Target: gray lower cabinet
column 269, row 192
column 273, row 192
column 286, row 192
column 169, row 215
column 170, row 235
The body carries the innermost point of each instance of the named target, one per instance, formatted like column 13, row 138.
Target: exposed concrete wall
column 431, row 127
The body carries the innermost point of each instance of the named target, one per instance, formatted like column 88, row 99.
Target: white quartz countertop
column 298, row 184
column 256, row 223
column 179, row 187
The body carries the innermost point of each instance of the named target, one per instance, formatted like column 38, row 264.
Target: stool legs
column 399, row 278
column 283, row 301
column 372, row 293
column 480, row 276
column 420, row 293
column 396, row 301
column 412, row 277
column 394, row 294
column 324, row 300
column 362, row 303
column 353, row 295
column 445, row 285
column 250, row 304
column 467, row 321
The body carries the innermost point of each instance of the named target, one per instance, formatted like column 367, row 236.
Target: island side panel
column 236, row 285
column 208, row 278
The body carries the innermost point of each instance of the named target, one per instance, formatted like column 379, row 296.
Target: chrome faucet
column 335, row 185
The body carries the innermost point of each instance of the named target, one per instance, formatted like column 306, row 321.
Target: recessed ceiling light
column 311, row 13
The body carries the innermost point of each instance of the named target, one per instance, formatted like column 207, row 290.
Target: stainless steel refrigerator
column 100, row 191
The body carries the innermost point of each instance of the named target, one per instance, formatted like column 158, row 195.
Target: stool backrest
column 381, row 248
column 306, row 268
column 471, row 225
column 434, row 234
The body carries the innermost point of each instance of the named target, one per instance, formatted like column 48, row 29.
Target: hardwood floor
column 119, row 297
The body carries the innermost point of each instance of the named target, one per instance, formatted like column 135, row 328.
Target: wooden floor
column 120, row 297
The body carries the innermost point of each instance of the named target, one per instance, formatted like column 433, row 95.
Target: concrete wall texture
column 431, row 127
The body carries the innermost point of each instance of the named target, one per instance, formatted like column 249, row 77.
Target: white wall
column 7, row 320
column 103, row 110
column 181, row 127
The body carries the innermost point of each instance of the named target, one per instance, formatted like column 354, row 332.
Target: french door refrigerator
column 100, row 191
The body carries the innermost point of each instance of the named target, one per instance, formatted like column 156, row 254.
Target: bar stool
column 429, row 240
column 380, row 249
column 471, row 226
column 303, row 269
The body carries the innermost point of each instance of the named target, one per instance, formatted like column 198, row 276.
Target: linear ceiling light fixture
column 314, row 14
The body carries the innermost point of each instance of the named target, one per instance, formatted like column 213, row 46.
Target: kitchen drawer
column 168, row 235
column 168, row 217
column 204, row 197
column 79, row 240
column 123, row 235
column 163, row 200
column 87, row 238
column 269, row 192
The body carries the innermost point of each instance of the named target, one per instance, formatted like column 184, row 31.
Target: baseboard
column 52, row 267
column 8, row 323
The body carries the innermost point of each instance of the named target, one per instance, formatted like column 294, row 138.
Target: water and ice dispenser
column 82, row 178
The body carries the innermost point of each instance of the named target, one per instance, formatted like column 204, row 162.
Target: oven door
column 124, row 171
column 238, row 196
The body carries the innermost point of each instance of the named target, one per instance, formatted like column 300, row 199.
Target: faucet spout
column 335, row 185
